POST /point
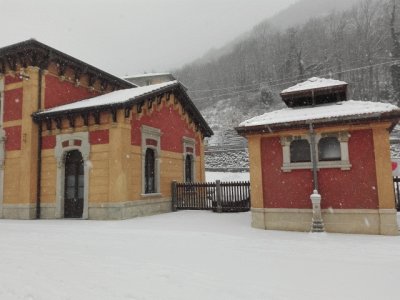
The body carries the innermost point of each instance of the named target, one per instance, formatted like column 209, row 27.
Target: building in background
column 150, row 78
column 77, row 142
column 323, row 145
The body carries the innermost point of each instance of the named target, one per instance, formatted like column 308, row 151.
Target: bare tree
column 395, row 67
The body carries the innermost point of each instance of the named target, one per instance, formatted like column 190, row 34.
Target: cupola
column 315, row 91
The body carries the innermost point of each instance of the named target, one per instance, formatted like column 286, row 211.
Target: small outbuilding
column 323, row 163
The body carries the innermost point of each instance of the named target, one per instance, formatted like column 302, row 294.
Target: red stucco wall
column 173, row 128
column 59, row 92
column 355, row 188
column 13, row 105
column 11, row 79
column 13, row 138
column 99, row 137
column 49, row 142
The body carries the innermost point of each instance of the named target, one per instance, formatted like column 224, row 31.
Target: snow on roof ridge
column 311, row 113
column 147, row 75
column 314, row 83
column 115, row 97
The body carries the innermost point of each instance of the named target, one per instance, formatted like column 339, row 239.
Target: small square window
column 300, row 151
column 329, row 149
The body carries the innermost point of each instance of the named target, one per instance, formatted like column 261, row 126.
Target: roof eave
column 55, row 54
column 207, row 131
column 305, row 91
column 275, row 128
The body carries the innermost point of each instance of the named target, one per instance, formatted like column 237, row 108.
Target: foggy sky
column 129, row 37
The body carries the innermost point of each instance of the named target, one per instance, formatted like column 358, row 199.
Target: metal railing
column 216, row 196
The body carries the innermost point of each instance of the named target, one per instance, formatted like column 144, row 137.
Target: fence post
column 218, row 192
column 173, row 195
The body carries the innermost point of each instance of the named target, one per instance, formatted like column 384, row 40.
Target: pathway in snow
column 190, row 255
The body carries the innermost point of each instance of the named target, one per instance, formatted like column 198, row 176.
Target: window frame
column 189, row 143
column 319, row 152
column 151, row 133
column 343, row 163
column 297, row 139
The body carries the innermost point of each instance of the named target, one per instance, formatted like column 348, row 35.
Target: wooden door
column 74, row 185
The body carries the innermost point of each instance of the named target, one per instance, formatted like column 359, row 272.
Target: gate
column 216, row 196
column 396, row 184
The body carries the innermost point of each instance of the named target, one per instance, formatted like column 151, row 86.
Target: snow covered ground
column 190, row 255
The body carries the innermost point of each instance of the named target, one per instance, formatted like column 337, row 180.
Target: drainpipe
column 317, row 224
column 314, row 157
column 39, row 158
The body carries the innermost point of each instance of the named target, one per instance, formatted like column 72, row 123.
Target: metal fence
column 217, row 196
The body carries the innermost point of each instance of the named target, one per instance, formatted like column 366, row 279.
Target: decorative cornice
column 34, row 53
column 148, row 99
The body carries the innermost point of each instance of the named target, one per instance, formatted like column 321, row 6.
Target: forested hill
column 301, row 11
column 356, row 45
column 294, row 15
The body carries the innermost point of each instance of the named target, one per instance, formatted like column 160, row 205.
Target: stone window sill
column 343, row 165
column 151, row 195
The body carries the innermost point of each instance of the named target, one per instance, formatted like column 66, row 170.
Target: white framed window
column 300, row 151
column 332, row 151
column 150, row 160
column 329, row 149
column 189, row 158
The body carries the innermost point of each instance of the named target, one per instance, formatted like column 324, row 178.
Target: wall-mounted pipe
column 314, row 156
column 39, row 157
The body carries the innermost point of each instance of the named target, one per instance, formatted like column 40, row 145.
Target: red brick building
column 79, row 142
column 349, row 143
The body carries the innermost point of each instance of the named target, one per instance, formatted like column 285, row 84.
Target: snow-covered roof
column 314, row 83
column 126, row 99
column 115, row 97
column 147, row 75
column 341, row 110
column 32, row 48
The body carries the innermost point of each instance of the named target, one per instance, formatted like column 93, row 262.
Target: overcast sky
column 129, row 37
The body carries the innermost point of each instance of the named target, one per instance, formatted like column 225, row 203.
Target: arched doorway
column 74, row 185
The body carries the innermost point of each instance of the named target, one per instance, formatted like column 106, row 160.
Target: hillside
column 354, row 45
column 301, row 11
column 294, row 15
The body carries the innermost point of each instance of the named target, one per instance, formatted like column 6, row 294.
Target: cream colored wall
column 116, row 168
column 49, row 176
column 383, row 166
column 12, row 173
column 99, row 175
column 134, row 177
column 171, row 168
column 20, row 170
column 254, row 145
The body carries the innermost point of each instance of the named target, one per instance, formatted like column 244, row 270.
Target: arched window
column 329, row 149
column 149, row 166
column 188, row 168
column 300, row 151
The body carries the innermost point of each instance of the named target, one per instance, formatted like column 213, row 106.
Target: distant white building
column 150, row 78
